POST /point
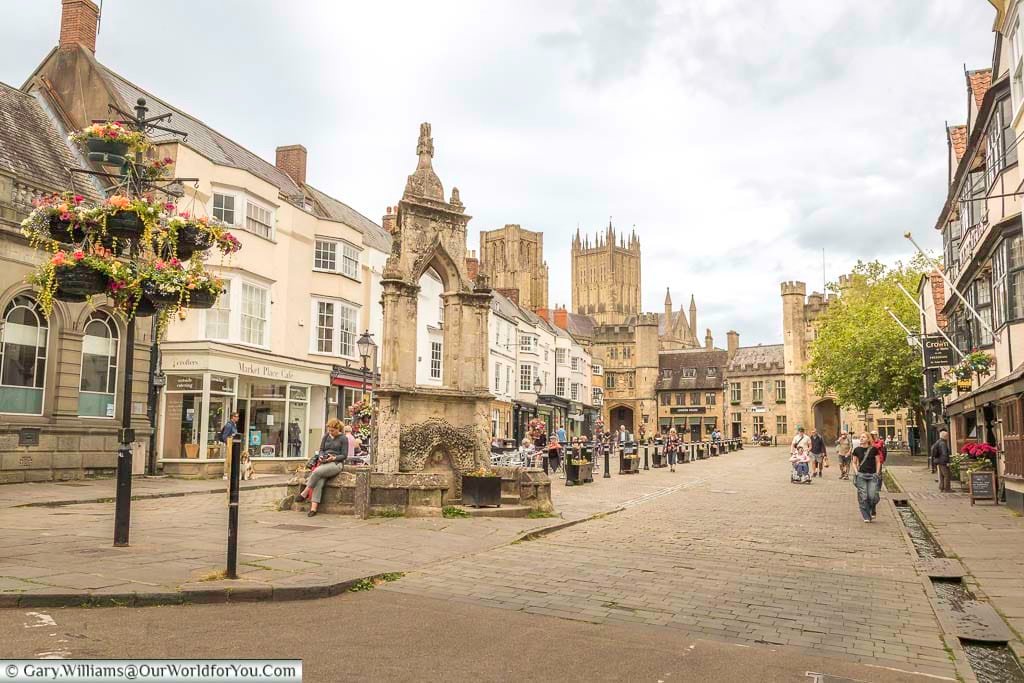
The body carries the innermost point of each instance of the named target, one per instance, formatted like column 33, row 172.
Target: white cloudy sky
column 740, row 138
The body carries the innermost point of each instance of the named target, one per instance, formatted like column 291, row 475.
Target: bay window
column 259, row 220
column 224, row 207
column 255, row 306
column 334, row 331
column 218, row 318
column 336, row 256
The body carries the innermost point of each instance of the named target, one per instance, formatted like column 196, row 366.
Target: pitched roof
column 581, row 325
column 34, row 150
column 373, row 235
column 753, row 357
column 672, row 364
column 205, row 140
column 958, row 140
column 980, row 81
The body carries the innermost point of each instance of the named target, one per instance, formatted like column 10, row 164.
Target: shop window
column 23, row 340
column 255, row 301
column 218, row 318
column 99, row 367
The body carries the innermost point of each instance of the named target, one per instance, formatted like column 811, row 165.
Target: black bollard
column 607, row 474
column 647, row 449
column 236, row 463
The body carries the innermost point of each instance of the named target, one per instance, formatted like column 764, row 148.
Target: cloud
column 740, row 139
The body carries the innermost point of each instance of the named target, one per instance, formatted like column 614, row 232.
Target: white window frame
column 265, row 343
column 113, row 365
column 1016, row 67
column 346, row 257
column 337, row 330
column 436, row 359
column 43, row 330
column 560, row 356
column 235, row 203
column 528, row 343
column 574, row 391
column 270, row 222
column 221, row 306
column 497, row 378
column 526, row 377
column 560, row 387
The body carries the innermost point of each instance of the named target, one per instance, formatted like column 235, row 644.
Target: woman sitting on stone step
column 326, row 464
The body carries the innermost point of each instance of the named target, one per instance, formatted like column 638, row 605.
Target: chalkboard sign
column 983, row 486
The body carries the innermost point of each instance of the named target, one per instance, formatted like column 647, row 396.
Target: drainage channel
column 991, row 662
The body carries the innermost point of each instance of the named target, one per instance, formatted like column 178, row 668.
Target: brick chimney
column 512, row 294
column 292, row 160
column 543, row 313
column 561, row 318
column 472, row 266
column 734, row 342
column 388, row 221
column 78, row 22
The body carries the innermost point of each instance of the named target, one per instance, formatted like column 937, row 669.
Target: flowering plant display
column 579, row 461
column 60, row 217
column 978, row 450
column 974, row 362
column 945, row 387
column 537, row 427
column 109, row 131
column 481, row 472
column 47, row 277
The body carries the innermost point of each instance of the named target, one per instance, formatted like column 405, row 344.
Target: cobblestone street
column 736, row 554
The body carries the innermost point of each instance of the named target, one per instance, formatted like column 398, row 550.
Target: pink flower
column 175, row 261
column 79, row 198
column 169, row 206
column 159, row 265
column 59, row 258
column 79, row 254
column 185, row 215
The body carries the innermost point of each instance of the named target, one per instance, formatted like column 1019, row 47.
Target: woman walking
column 325, row 465
column 868, row 477
column 844, row 447
column 554, row 451
column 672, row 449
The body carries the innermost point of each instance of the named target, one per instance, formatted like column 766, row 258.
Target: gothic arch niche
column 826, row 420
column 430, row 233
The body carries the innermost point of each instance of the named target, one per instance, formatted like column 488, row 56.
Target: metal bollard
column 607, row 474
column 647, row 449
column 236, row 461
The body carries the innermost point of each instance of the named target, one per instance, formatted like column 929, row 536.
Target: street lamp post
column 366, row 347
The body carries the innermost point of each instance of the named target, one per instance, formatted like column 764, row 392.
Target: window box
column 757, row 403
column 734, row 403
column 780, row 400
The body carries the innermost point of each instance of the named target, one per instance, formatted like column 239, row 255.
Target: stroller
column 800, row 473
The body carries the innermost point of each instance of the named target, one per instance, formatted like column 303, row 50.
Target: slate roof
column 958, row 140
column 226, row 152
column 671, row 365
column 581, row 325
column 373, row 235
column 34, row 150
column 767, row 357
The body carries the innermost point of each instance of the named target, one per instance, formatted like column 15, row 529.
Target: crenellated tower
column 606, row 275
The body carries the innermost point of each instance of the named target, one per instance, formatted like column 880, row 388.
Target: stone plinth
column 420, row 494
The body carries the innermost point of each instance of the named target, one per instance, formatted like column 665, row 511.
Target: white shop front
column 281, row 404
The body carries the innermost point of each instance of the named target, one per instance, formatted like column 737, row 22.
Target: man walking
column 940, row 457
column 817, row 451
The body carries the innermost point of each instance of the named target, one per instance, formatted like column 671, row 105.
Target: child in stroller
column 800, row 460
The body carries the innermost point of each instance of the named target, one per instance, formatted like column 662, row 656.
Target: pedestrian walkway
column 987, row 539
column 736, row 553
column 63, row 554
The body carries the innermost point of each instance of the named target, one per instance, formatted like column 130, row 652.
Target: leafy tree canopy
column 860, row 354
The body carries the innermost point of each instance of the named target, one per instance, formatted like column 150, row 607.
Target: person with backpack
column 224, row 436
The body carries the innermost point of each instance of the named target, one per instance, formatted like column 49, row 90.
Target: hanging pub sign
column 937, row 352
column 963, row 385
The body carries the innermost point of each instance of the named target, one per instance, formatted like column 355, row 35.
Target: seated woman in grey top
column 326, row 465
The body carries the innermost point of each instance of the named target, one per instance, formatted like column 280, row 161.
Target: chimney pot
column 79, row 20
column 292, row 160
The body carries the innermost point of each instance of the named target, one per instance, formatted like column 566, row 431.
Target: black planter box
column 481, row 491
column 658, row 458
column 75, row 283
column 102, row 146
column 125, row 225
column 628, row 465
column 578, row 474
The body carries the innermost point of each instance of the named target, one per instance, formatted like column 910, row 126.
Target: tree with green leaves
column 860, row 354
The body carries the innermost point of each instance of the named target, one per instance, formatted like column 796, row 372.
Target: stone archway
column 826, row 420
column 620, row 415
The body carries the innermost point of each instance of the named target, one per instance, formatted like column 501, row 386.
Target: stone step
column 506, row 511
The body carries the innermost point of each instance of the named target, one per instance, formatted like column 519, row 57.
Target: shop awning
column 351, row 383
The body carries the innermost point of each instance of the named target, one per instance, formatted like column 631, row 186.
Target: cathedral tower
column 606, row 276
column 513, row 258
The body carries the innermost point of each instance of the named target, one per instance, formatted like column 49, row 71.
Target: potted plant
column 979, row 455
column 974, row 362
column 130, row 219
column 944, row 387
column 56, row 218
column 202, row 289
column 481, row 487
column 164, row 282
column 578, row 470
column 109, row 141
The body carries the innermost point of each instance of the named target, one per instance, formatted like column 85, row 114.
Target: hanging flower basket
column 944, row 387
column 107, row 148
column 77, row 282
column 160, row 295
column 192, row 239
column 125, row 225
column 66, row 231
column 109, row 143
column 145, row 309
column 202, row 298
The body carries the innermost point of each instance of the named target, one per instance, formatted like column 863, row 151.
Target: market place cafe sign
column 257, row 370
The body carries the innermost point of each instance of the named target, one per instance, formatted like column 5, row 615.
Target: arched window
column 99, row 367
column 23, row 336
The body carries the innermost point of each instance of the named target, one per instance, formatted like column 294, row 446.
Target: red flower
column 78, row 254
column 79, row 198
